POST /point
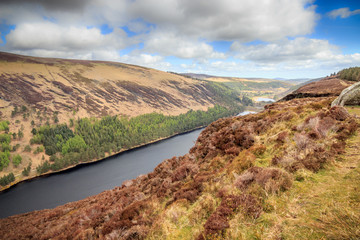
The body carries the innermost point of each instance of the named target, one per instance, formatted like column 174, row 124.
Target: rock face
column 349, row 96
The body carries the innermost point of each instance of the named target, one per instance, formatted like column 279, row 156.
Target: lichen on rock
column 349, row 96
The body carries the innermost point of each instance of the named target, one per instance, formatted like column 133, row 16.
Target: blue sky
column 258, row 38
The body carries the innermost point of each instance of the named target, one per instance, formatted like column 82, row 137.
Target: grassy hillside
column 93, row 88
column 53, row 96
column 289, row 172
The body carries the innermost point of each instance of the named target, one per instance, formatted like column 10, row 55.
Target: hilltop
column 289, row 172
column 324, row 87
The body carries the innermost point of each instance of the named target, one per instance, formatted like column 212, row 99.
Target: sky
column 240, row 38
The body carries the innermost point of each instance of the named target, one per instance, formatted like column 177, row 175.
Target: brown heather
column 241, row 180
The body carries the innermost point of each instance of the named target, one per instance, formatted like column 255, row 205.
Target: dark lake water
column 91, row 179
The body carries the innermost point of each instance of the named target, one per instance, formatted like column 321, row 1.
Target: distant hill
column 250, row 87
column 196, row 75
column 294, row 80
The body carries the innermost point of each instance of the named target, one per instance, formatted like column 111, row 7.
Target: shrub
column 5, row 180
column 27, row 148
column 301, row 140
column 281, row 137
column 26, row 170
column 17, row 160
column 4, row 125
column 4, row 159
column 39, row 149
column 273, row 180
column 243, row 161
column 43, row 168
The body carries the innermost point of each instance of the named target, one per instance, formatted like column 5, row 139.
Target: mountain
column 51, row 109
column 96, row 88
column 289, row 172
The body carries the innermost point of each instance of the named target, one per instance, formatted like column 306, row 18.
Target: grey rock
column 349, row 96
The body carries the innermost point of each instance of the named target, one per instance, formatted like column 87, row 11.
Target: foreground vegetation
column 289, row 172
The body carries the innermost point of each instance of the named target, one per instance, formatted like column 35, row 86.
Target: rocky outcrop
column 326, row 87
column 349, row 96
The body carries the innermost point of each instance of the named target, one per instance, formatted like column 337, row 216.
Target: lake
column 90, row 179
column 263, row 99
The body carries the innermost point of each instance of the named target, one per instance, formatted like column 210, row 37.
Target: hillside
column 295, row 87
column 39, row 95
column 325, row 87
column 289, row 172
column 95, row 88
column 249, row 87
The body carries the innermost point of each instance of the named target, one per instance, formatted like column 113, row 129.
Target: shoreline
column 83, row 164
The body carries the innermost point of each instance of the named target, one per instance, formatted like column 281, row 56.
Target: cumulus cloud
column 47, row 39
column 170, row 44
column 183, row 29
column 296, row 55
column 229, row 19
column 52, row 5
column 240, row 20
column 298, row 49
column 343, row 13
column 50, row 35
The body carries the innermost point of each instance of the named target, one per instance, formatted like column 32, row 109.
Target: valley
column 51, row 108
column 259, row 175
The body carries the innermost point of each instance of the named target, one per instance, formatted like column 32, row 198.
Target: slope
column 325, row 87
column 94, row 88
column 43, row 94
column 244, row 178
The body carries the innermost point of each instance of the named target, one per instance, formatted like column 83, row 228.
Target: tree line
column 92, row 138
column 351, row 74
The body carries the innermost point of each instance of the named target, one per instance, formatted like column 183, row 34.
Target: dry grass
column 275, row 187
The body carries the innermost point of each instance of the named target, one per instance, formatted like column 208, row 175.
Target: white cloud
column 47, row 35
column 169, row 44
column 298, row 49
column 48, row 39
column 210, row 19
column 343, row 13
column 180, row 28
column 229, row 19
column 299, row 54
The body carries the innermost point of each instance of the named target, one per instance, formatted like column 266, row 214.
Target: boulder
column 349, row 96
